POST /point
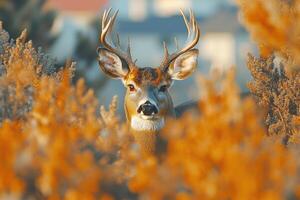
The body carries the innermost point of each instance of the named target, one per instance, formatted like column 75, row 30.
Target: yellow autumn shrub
column 275, row 26
column 222, row 154
column 55, row 142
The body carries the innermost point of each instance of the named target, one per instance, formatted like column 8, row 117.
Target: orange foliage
column 9, row 153
column 274, row 25
column 223, row 154
column 49, row 152
column 55, row 144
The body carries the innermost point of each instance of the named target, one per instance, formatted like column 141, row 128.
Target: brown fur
column 147, row 84
column 143, row 78
column 147, row 75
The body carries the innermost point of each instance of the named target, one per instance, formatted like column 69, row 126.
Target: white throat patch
column 140, row 124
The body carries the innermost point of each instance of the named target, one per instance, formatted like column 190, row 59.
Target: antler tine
column 113, row 19
column 185, row 21
column 107, row 27
column 194, row 22
column 105, row 15
column 129, row 48
column 193, row 35
column 103, row 19
column 166, row 55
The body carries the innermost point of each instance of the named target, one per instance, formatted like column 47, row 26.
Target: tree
column 18, row 15
column 85, row 53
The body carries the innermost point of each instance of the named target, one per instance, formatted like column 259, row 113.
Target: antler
column 193, row 38
column 107, row 26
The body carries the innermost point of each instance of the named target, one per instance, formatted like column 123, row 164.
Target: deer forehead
column 148, row 76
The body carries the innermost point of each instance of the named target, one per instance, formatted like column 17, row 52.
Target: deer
column 147, row 102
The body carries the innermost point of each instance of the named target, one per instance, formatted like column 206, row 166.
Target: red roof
column 77, row 5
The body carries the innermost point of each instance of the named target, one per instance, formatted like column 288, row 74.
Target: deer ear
column 111, row 64
column 184, row 65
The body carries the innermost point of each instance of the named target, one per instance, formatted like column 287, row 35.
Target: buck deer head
column 147, row 102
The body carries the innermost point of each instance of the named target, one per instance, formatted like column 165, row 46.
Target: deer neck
column 146, row 132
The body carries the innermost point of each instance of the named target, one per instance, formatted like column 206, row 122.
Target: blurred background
column 69, row 29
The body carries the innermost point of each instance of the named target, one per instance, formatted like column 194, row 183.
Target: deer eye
column 163, row 88
column 131, row 88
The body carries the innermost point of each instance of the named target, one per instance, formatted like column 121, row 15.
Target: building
column 74, row 16
column 223, row 44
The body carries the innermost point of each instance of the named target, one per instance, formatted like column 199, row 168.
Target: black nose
column 147, row 109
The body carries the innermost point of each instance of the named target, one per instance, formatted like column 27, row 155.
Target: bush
column 274, row 25
column 56, row 144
